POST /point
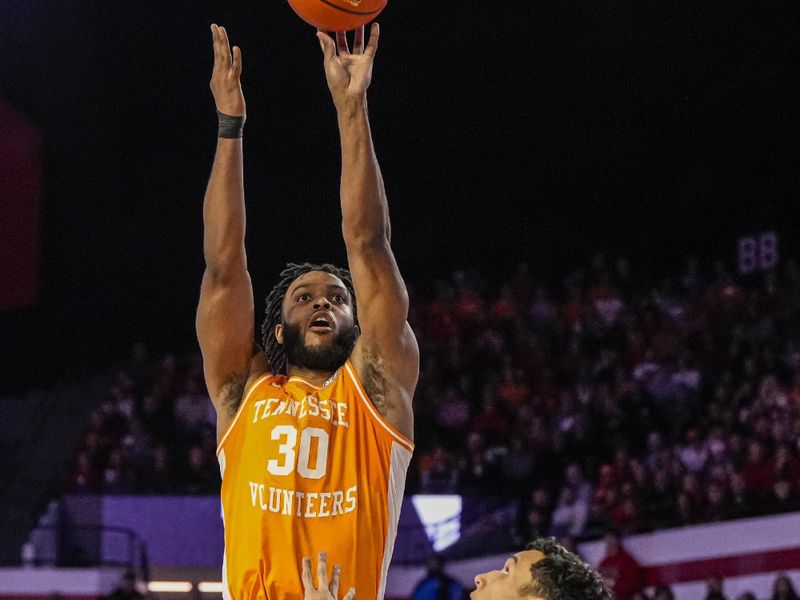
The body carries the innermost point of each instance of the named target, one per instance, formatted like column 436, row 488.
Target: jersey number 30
column 290, row 460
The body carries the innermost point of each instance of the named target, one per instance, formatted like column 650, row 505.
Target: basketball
column 337, row 15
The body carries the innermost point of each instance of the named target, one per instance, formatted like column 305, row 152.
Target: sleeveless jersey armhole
column 377, row 417
column 240, row 410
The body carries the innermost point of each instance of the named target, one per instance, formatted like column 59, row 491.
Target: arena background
column 506, row 132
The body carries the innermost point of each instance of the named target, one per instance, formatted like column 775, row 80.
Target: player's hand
column 349, row 73
column 325, row 591
column 225, row 83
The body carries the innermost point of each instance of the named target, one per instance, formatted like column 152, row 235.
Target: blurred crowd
column 607, row 401
column 628, row 580
column 155, row 433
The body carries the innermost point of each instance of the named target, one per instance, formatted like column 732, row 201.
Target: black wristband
column 230, row 127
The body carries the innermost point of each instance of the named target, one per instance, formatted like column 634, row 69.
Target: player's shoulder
column 258, row 378
column 258, row 374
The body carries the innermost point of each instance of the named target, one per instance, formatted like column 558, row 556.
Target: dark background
column 507, row 131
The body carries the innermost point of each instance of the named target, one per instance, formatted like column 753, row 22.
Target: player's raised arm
column 225, row 313
column 386, row 355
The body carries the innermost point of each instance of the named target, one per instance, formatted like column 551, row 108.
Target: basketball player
column 545, row 570
column 314, row 432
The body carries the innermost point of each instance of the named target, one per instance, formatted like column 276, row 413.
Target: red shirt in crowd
column 622, row 573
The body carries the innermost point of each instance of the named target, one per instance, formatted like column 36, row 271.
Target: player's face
column 318, row 327
column 506, row 582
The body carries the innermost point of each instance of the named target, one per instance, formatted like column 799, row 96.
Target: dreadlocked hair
column 561, row 575
column 276, row 353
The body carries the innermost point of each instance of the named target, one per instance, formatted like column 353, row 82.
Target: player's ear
column 279, row 333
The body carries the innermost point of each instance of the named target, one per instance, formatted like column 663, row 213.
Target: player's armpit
column 390, row 393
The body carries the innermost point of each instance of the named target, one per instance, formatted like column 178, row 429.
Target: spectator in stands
column 491, row 422
column 625, row 516
column 714, row 590
column 663, row 592
column 193, row 410
column 739, row 505
column 477, row 471
column 716, row 507
column 691, row 488
column 659, row 498
column 453, row 413
column 84, row 477
column 197, row 477
column 784, row 499
column 118, row 476
column 572, row 509
column 437, row 585
column 570, row 514
column 576, row 481
column 159, row 477
column 758, row 473
column 157, row 418
column 694, row 454
column 620, row 570
column 536, row 515
column 127, row 589
column 783, row 589
column 438, row 474
column 517, row 465
column 604, row 497
column 657, row 456
column 787, row 466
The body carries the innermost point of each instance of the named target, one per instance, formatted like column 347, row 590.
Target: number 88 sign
column 291, row 459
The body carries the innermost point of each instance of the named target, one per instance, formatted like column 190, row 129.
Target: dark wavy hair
column 561, row 575
column 276, row 353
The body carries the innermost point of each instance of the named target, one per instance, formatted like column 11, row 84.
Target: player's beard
column 318, row 358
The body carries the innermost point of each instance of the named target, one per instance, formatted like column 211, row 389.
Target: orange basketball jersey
column 308, row 469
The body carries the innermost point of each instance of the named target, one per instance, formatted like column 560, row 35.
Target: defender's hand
column 225, row 83
column 324, row 591
column 349, row 73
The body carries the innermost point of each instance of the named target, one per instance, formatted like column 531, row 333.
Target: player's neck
column 318, row 378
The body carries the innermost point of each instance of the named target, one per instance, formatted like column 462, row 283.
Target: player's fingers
column 215, row 45
column 327, row 44
column 350, row 594
column 374, row 35
column 341, row 42
column 236, row 66
column 334, row 587
column 305, row 574
column 322, row 571
column 226, row 48
column 358, row 43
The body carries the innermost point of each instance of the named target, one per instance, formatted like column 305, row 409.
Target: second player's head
column 544, row 570
column 310, row 318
